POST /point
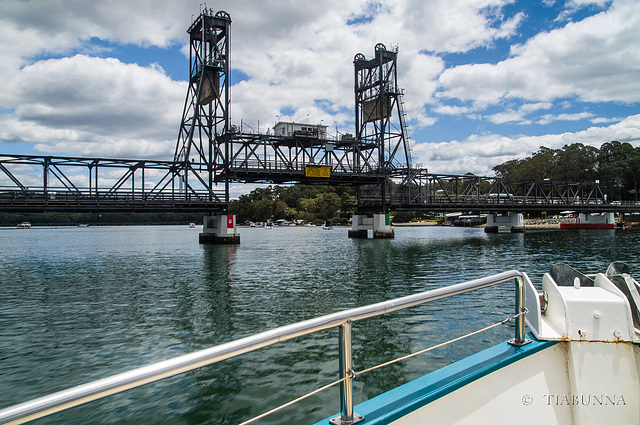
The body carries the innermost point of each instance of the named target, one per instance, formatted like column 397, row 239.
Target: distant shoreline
column 416, row 223
column 540, row 224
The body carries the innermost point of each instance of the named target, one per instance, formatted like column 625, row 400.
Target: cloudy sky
column 485, row 80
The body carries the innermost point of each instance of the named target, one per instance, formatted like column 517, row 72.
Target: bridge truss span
column 270, row 158
column 418, row 190
column 56, row 183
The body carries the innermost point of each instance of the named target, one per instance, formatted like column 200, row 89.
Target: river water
column 79, row 304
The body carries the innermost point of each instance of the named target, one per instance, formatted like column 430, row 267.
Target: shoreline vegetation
column 51, row 219
column 539, row 224
column 615, row 165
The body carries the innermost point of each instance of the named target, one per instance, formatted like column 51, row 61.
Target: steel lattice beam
column 101, row 184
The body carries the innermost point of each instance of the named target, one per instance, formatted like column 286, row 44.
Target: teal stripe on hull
column 394, row 404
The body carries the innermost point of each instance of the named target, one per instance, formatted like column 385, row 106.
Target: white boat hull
column 540, row 383
column 582, row 366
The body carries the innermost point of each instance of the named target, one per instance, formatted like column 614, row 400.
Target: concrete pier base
column 592, row 221
column 511, row 223
column 219, row 229
column 358, row 234
column 387, row 234
column 380, row 224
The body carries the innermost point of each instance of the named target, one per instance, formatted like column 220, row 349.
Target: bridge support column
column 360, row 225
column 592, row 221
column 380, row 224
column 604, row 218
column 382, row 227
column 219, row 229
column 514, row 222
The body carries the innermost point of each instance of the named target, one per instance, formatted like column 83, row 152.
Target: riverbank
column 541, row 224
column 533, row 224
column 417, row 223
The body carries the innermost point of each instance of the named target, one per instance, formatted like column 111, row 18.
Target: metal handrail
column 81, row 394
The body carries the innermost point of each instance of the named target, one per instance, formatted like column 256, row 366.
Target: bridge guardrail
column 83, row 199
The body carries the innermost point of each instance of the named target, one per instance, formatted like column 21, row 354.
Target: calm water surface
column 80, row 304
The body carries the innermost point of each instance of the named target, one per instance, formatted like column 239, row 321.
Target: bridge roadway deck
column 37, row 202
column 492, row 207
column 287, row 175
column 68, row 184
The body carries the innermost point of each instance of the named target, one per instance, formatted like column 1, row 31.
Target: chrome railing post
column 346, row 388
column 346, row 372
column 519, row 339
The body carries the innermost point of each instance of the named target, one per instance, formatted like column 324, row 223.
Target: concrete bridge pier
column 514, row 222
column 603, row 218
column 592, row 221
column 219, row 229
column 380, row 224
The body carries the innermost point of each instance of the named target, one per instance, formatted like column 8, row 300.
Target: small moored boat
column 24, row 225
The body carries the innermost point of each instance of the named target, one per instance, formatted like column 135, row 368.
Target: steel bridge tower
column 380, row 132
column 202, row 149
column 201, row 146
column 380, row 109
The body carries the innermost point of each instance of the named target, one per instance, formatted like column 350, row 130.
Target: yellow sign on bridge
column 318, row 171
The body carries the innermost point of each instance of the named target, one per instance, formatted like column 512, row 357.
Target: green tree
column 576, row 163
column 634, row 171
column 403, row 216
column 262, row 210
column 616, row 169
column 347, row 204
column 303, row 202
column 307, row 209
column 242, row 208
column 541, row 165
column 508, row 170
column 280, row 209
column 328, row 205
column 616, row 165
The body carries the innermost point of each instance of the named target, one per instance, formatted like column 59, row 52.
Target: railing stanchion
column 346, row 388
column 346, row 372
column 519, row 339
